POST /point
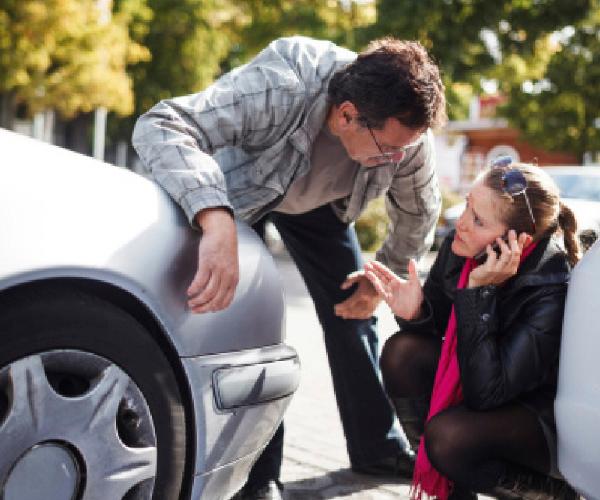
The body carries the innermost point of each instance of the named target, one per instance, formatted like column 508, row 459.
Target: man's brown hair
column 392, row 79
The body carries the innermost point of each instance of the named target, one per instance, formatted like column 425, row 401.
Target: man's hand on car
column 214, row 284
column 363, row 302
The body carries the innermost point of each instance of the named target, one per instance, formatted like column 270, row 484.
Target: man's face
column 372, row 147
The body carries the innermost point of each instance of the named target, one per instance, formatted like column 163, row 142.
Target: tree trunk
column 78, row 134
column 8, row 108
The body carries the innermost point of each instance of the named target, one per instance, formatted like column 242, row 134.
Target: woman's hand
column 403, row 296
column 498, row 268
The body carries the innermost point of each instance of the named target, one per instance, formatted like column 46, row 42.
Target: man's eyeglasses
column 513, row 181
column 396, row 154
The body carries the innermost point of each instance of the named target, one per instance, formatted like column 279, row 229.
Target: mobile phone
column 481, row 257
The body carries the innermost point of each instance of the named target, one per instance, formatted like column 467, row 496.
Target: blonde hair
column 550, row 213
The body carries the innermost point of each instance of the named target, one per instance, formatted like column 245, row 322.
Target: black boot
column 412, row 413
column 270, row 491
column 459, row 493
column 527, row 484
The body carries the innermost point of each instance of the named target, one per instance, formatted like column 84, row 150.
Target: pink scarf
column 447, row 392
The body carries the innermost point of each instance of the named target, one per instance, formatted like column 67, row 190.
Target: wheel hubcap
column 47, row 471
column 70, row 415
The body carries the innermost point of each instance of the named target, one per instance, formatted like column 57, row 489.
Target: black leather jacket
column 508, row 337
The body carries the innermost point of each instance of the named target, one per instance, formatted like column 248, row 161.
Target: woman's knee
column 406, row 359
column 445, row 442
column 395, row 362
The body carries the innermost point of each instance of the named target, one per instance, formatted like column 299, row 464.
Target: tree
column 193, row 41
column 470, row 38
column 187, row 41
column 262, row 21
column 59, row 54
column 558, row 106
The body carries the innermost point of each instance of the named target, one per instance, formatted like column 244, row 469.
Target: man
column 307, row 134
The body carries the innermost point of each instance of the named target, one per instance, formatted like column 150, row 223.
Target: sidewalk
column 315, row 464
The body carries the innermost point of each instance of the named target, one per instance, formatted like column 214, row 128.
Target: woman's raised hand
column 403, row 296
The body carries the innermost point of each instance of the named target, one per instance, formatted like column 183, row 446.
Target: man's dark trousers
column 326, row 250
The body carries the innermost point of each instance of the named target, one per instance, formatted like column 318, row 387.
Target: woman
column 475, row 363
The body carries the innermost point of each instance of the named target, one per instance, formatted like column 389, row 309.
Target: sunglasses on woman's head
column 513, row 181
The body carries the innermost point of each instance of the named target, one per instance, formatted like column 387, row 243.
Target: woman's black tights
column 472, row 448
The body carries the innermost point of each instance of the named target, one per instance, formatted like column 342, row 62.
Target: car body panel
column 130, row 233
column 210, row 485
column 64, row 215
column 577, row 404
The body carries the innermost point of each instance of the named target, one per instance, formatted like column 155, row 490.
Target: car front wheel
column 89, row 404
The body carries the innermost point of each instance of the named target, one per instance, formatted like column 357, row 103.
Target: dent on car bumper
column 239, row 400
column 237, row 386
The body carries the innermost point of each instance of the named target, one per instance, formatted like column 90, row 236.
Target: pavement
column 315, row 463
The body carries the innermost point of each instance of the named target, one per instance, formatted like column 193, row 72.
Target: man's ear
column 347, row 112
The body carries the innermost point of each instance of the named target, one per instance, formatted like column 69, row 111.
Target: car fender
column 87, row 219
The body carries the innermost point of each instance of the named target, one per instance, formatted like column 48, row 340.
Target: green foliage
column 449, row 199
column 187, row 40
column 558, row 106
column 449, row 29
column 458, row 98
column 475, row 39
column 61, row 54
column 452, row 29
column 371, row 226
column 261, row 21
column 193, row 41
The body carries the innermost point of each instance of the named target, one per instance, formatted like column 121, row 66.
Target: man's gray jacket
column 242, row 141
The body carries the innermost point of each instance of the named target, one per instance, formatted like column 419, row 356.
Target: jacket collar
column 303, row 138
column 547, row 265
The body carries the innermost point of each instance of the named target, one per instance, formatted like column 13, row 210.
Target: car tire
column 58, row 323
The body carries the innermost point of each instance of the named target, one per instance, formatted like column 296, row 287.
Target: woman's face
column 480, row 223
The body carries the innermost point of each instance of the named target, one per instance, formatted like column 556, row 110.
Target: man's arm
column 177, row 138
column 216, row 279
column 413, row 204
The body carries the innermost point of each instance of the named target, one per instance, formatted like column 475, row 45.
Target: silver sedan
column 109, row 387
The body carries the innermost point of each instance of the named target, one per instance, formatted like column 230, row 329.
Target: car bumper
column 239, row 400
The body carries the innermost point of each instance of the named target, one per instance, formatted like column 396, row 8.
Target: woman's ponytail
column 568, row 225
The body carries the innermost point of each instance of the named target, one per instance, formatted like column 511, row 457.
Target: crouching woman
column 474, row 368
